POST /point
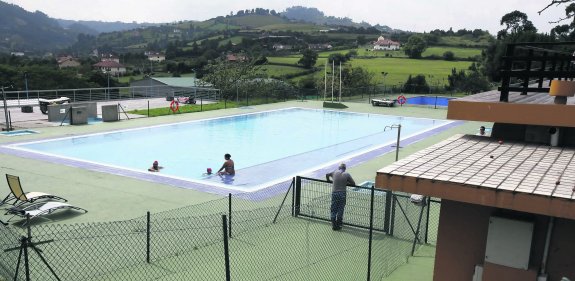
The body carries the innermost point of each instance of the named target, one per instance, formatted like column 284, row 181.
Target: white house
column 385, row 44
column 157, row 57
column 111, row 67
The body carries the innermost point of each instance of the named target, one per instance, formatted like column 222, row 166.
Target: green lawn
column 399, row 69
column 289, row 60
column 458, row 52
column 279, row 70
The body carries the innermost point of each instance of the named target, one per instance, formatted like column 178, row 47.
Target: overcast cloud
column 411, row 15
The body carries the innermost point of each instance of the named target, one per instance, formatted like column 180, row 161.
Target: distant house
column 320, row 46
column 234, row 58
column 67, row 61
column 17, row 54
column 155, row 56
column 109, row 57
column 385, row 44
column 281, row 47
column 111, row 67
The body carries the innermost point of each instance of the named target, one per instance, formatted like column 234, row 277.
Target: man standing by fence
column 341, row 179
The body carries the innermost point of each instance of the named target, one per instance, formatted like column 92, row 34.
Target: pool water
column 429, row 100
column 266, row 146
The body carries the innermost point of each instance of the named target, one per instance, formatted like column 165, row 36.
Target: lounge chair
column 40, row 209
column 19, row 197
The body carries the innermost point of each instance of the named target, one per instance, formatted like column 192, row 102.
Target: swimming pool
column 429, row 100
column 267, row 147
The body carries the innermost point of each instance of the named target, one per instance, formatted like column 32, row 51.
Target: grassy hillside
column 255, row 21
column 299, row 27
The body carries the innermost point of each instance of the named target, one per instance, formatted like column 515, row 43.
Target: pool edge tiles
column 200, row 185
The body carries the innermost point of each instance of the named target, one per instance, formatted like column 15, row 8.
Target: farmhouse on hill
column 385, row 44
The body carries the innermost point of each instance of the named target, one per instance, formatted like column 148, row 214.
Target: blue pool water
column 266, row 146
column 429, row 100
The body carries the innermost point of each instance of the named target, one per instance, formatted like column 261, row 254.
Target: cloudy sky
column 412, row 15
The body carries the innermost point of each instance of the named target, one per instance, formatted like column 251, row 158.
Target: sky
column 408, row 15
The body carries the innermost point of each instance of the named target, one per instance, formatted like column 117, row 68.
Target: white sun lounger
column 42, row 209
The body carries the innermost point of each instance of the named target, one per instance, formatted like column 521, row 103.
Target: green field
column 279, row 70
column 398, row 69
column 458, row 52
column 289, row 60
column 234, row 39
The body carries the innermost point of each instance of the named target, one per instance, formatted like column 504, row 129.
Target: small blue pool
column 429, row 100
column 18, row 133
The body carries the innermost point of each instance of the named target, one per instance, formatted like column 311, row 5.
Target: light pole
column 26, row 83
column 384, row 75
column 108, row 91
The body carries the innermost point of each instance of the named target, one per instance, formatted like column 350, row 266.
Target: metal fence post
column 226, row 247
column 230, row 214
column 370, row 233
column 297, row 192
column 148, row 237
column 392, row 219
column 427, row 219
column 417, row 231
column 387, row 215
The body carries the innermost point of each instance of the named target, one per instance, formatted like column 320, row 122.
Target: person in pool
column 155, row 167
column 228, row 166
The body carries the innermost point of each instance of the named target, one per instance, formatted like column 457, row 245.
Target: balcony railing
column 529, row 67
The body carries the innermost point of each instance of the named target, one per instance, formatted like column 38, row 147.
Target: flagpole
column 340, row 81
column 325, row 81
column 332, row 78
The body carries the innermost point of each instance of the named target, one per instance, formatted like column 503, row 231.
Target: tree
column 227, row 76
column 517, row 22
column 415, row 46
column 449, row 55
column 308, row 59
column 470, row 81
column 518, row 29
column 416, row 84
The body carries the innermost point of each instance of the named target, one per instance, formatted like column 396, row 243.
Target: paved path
column 36, row 119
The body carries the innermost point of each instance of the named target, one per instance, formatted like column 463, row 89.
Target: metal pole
column 5, row 109
column 148, row 237
column 370, row 233
column 325, row 81
column 226, row 248
column 26, row 82
column 397, row 144
column 417, row 231
column 340, row 81
column 230, row 214
column 332, row 78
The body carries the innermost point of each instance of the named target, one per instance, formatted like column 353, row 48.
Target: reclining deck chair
column 20, row 197
column 40, row 209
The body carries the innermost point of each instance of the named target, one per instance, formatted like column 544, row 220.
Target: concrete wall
column 462, row 240
column 55, row 113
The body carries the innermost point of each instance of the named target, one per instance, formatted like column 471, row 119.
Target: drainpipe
column 542, row 273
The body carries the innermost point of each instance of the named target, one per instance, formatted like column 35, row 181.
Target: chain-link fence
column 282, row 238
